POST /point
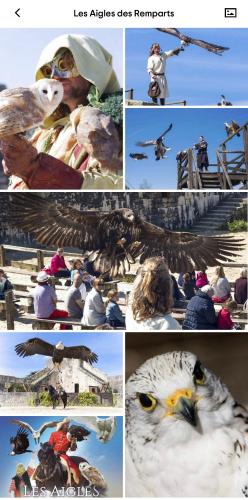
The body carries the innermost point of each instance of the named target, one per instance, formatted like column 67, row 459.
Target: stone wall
column 171, row 210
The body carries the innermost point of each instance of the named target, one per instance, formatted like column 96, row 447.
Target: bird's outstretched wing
column 211, row 47
column 80, row 352
column 47, row 425
column 54, row 224
column 164, row 133
column 104, row 427
column 34, row 346
column 146, row 143
column 183, row 250
column 23, row 425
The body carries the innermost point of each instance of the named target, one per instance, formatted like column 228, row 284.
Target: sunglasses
column 62, row 66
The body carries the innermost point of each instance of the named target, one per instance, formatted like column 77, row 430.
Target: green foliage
column 45, row 399
column 128, row 278
column 87, row 399
column 111, row 104
column 237, row 225
column 16, row 388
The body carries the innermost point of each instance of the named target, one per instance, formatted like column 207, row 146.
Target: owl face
column 50, row 94
column 172, row 396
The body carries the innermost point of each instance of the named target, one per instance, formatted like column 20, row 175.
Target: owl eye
column 44, row 91
column 199, row 376
column 147, row 401
column 56, row 92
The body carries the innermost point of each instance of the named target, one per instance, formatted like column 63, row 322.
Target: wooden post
column 40, row 260
column 245, row 139
column 9, row 310
column 190, row 169
column 2, row 256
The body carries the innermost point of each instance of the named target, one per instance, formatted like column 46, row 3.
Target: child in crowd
column 224, row 321
column 188, row 286
column 5, row 284
column 113, row 312
column 201, row 279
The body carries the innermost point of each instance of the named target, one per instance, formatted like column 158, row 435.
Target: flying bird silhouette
column 231, row 128
column 116, row 238
column 57, row 352
column 160, row 148
column 211, row 47
column 36, row 434
column 20, row 443
column 138, row 156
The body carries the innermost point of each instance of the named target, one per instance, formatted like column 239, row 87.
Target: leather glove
column 38, row 171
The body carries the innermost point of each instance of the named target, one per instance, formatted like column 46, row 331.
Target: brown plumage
column 57, row 352
column 211, row 47
column 118, row 237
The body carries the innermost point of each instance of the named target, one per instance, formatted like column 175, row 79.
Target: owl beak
column 181, row 404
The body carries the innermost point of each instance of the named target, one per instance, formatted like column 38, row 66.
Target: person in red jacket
column 58, row 266
column 224, row 321
column 61, row 443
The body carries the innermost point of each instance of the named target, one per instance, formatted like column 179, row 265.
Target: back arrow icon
column 17, row 12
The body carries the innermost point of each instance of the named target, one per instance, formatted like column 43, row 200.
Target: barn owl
column 186, row 436
column 24, row 108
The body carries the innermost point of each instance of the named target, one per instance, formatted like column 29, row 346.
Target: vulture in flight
column 231, row 128
column 57, row 352
column 160, row 148
column 224, row 102
column 20, row 443
column 35, row 433
column 116, row 239
column 211, row 47
column 138, row 156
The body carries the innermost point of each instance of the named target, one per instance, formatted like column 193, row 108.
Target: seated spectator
column 58, row 266
column 200, row 312
column 225, row 321
column 180, row 280
column 151, row 299
column 94, row 308
column 188, row 286
column 74, row 303
column 5, row 284
column 45, row 300
column 113, row 312
column 178, row 298
column 86, row 278
column 201, row 279
column 240, row 288
column 221, row 286
column 89, row 266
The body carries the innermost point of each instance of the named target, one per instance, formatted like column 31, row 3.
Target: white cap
column 42, row 277
column 207, row 289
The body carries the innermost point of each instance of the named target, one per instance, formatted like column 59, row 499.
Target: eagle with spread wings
column 211, row 47
column 118, row 237
column 57, row 352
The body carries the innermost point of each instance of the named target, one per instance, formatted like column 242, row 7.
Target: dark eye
column 147, row 401
column 56, row 92
column 44, row 91
column 199, row 376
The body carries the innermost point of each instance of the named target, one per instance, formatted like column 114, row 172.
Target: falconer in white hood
column 78, row 146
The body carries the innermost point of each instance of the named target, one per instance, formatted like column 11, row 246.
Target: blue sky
column 107, row 457
column 188, row 124
column 196, row 75
column 108, row 346
column 20, row 50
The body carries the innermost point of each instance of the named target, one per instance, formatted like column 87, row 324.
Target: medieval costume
column 202, row 154
column 20, row 485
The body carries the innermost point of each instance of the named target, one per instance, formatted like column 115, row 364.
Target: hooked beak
column 181, row 404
